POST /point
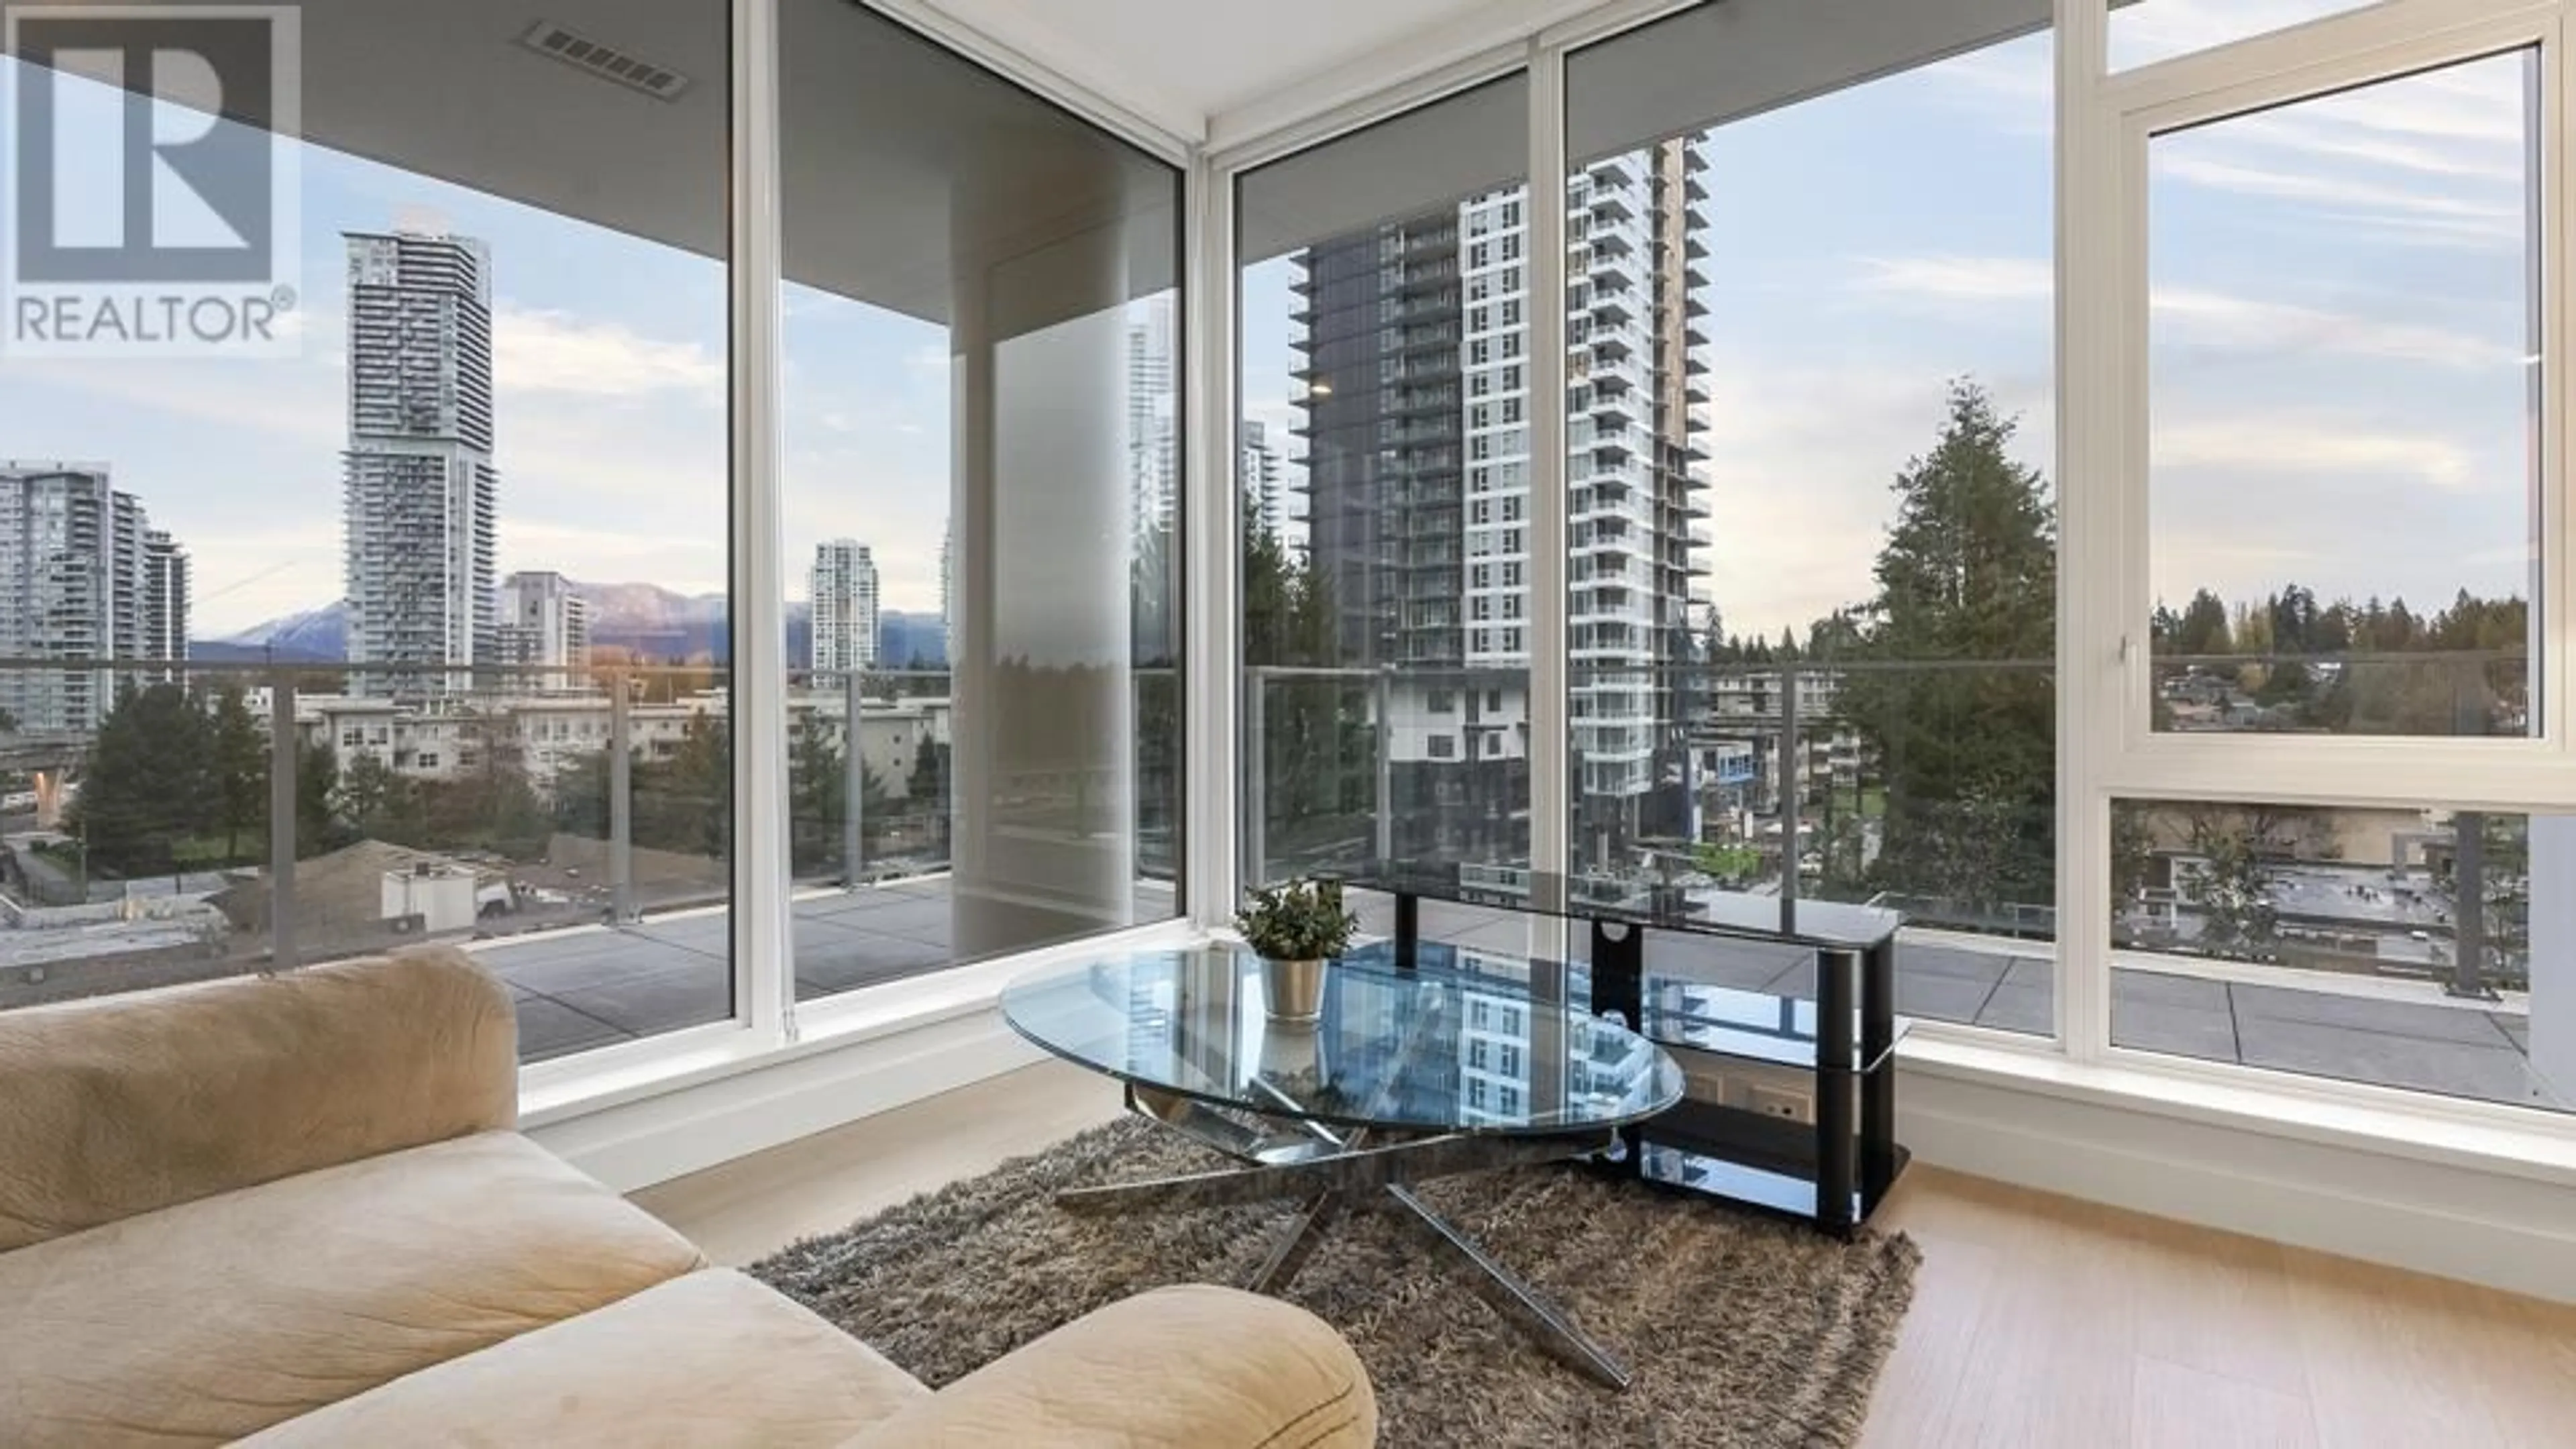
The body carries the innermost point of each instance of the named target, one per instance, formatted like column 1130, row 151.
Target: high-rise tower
column 1416, row 358
column 843, row 588
column 1153, row 413
column 544, row 622
column 72, row 585
column 420, row 496
column 165, row 602
column 1263, row 481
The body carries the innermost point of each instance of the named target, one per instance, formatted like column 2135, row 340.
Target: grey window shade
column 1729, row 59
column 1436, row 155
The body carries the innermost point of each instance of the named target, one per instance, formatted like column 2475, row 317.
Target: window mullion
column 763, row 937
column 1550, row 751
column 1211, row 566
column 2097, row 214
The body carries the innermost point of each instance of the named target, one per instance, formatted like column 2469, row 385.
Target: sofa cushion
column 712, row 1358
column 127, row 1104
column 210, row 1320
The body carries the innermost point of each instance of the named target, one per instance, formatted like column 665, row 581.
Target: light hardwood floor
column 2037, row 1320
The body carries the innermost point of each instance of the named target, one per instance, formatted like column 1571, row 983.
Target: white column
column 1044, row 780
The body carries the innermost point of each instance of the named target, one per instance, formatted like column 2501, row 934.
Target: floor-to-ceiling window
column 2336, row 809
column 417, row 621
column 2092, row 485
column 1811, row 488
column 1385, row 374
column 982, row 492
column 384, row 596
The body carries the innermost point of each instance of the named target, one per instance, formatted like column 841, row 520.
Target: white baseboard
column 638, row 1143
column 2503, row 1230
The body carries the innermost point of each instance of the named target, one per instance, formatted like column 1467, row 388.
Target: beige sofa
column 295, row 1210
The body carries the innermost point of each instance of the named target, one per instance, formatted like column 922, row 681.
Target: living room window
column 2332, row 782
column 1352, row 621
column 491, row 469
column 928, row 569
column 2293, row 413
column 1915, row 625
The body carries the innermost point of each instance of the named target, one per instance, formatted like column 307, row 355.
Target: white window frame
column 768, row 1025
column 2104, row 750
column 2109, row 752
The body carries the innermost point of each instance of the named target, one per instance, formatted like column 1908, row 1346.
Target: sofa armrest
column 1186, row 1368
column 121, row 1105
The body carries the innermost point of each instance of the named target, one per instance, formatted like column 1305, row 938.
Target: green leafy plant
column 1298, row 920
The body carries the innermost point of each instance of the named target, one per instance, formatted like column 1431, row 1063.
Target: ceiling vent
column 605, row 61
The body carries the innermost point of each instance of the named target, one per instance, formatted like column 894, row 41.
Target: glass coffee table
column 1410, row 1075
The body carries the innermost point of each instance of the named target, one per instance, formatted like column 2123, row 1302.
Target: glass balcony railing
column 177, row 821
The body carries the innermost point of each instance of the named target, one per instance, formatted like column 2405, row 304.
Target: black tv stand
column 1793, row 1101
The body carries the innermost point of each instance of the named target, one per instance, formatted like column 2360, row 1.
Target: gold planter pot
column 1293, row 990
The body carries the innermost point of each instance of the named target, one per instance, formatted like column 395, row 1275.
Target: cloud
column 682, row 564
column 2434, row 159
column 2358, row 200
column 1801, row 459
column 2343, row 138
column 1960, row 278
column 2219, row 319
column 2194, row 316
column 546, row 351
column 2271, row 443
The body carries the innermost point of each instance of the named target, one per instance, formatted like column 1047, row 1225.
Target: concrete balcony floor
column 593, row 987
column 597, row 986
column 2454, row 1049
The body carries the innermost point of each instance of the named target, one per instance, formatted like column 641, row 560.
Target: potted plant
column 1295, row 927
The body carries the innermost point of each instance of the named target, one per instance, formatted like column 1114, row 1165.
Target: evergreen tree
column 685, row 803
column 317, row 789
column 926, row 795
column 1968, row 574
column 241, row 772
column 151, row 782
column 579, row 795
column 493, row 804
column 2232, row 891
column 818, row 801
column 2202, row 629
column 1314, row 731
column 374, row 803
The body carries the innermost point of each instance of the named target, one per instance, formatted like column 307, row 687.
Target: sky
column 2338, row 333
column 2339, row 379
column 610, row 433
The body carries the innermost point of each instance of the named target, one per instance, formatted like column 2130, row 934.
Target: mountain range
column 651, row 622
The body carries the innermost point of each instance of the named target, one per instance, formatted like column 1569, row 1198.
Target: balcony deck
column 590, row 986
column 2456, row 1049
column 595, row 986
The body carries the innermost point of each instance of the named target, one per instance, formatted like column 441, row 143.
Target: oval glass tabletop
column 1427, row 1050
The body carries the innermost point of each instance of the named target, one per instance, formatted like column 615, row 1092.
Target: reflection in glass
column 982, row 410
column 1384, row 351
column 1448, row 1048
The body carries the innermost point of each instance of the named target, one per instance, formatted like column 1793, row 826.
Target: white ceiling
column 1180, row 63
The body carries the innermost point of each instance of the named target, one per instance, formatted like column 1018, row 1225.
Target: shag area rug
column 1739, row 1330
